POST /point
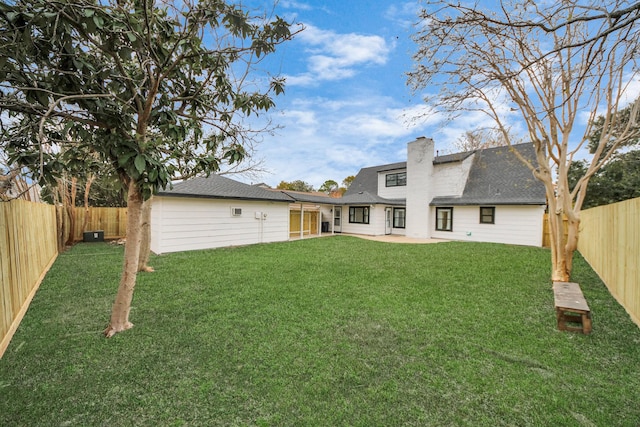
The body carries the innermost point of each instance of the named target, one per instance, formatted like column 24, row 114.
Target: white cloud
column 325, row 138
column 289, row 4
column 403, row 14
column 331, row 138
column 335, row 56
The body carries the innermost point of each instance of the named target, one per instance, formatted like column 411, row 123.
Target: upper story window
column 396, row 179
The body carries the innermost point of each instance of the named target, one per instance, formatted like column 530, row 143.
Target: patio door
column 337, row 219
column 387, row 220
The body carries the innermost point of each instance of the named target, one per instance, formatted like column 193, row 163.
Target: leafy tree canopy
column 146, row 86
column 152, row 88
column 297, row 185
column 618, row 180
column 328, row 186
column 347, row 181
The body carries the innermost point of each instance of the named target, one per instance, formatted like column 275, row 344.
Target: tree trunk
column 122, row 304
column 573, row 233
column 562, row 250
column 145, row 242
column 60, row 212
column 560, row 272
column 61, row 199
column 87, row 212
column 71, row 211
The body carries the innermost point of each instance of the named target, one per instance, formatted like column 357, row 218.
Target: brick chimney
column 419, row 187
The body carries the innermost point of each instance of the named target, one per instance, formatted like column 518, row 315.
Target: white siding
column 399, row 192
column 376, row 221
column 181, row 224
column 449, row 179
column 326, row 215
column 518, row 225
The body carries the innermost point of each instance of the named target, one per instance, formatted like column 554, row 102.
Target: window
column 487, row 215
column 359, row 214
column 444, row 219
column 396, row 179
column 399, row 215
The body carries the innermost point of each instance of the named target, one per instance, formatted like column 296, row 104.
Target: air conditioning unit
column 93, row 236
column 236, row 211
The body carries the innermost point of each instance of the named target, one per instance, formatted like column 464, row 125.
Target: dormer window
column 396, row 179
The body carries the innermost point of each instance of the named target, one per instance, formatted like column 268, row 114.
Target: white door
column 387, row 221
column 337, row 219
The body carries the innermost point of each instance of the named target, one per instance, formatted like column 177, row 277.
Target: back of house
column 486, row 195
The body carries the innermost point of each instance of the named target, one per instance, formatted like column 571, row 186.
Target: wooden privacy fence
column 28, row 247
column 546, row 232
column 113, row 221
column 610, row 242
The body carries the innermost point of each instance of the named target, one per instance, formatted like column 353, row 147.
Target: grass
column 331, row 331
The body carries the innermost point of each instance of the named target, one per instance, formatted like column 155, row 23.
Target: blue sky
column 347, row 104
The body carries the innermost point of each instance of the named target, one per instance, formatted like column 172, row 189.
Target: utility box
column 93, row 236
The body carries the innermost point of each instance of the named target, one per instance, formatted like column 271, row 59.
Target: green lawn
column 322, row 332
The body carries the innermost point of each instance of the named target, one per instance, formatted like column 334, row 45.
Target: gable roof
column 498, row 177
column 218, row 187
column 367, row 178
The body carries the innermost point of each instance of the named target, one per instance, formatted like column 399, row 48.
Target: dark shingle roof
column 498, row 177
column 450, row 158
column 300, row 196
column 367, row 178
column 366, row 198
column 218, row 187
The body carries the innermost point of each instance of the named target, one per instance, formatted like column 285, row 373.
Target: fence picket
column 27, row 249
column 610, row 242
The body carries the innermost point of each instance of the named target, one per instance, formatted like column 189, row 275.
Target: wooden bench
column 571, row 307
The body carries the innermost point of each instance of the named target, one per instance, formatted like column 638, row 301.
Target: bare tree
column 481, row 138
column 553, row 68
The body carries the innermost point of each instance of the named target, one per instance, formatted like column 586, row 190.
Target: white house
column 213, row 212
column 483, row 195
column 204, row 213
